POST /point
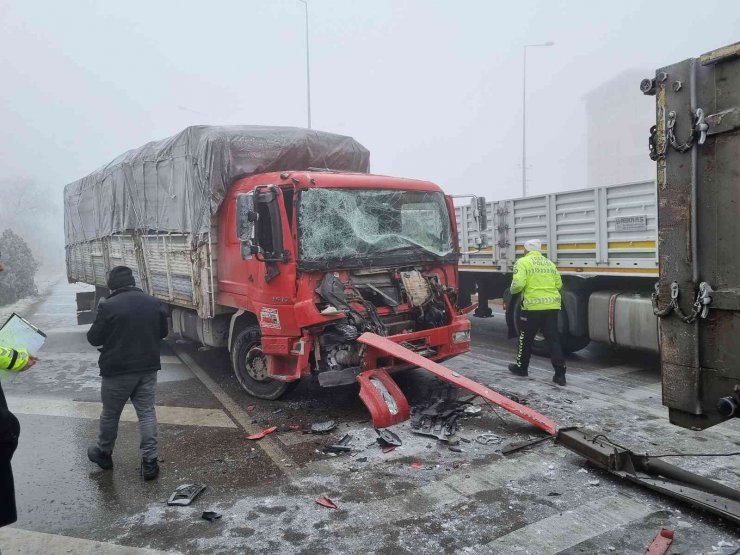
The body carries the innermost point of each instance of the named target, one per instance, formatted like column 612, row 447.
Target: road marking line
column 183, row 416
column 562, row 531
column 16, row 541
column 269, row 445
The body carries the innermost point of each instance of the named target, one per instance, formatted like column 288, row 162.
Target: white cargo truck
column 604, row 242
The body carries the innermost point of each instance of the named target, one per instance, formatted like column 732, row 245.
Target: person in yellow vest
column 15, row 360
column 539, row 282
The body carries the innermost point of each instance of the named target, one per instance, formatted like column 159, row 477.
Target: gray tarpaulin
column 178, row 183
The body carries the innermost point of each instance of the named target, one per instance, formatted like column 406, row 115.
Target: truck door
column 696, row 143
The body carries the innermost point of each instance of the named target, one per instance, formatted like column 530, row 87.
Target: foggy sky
column 432, row 88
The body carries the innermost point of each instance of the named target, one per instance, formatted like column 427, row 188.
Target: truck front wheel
column 250, row 366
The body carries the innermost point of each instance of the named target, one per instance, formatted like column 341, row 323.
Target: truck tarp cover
column 177, row 184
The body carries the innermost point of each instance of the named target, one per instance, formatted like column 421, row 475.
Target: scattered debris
column 324, row 501
column 386, row 438
column 323, row 427
column 661, row 543
column 554, row 494
column 277, row 411
column 185, row 494
column 582, row 471
column 439, row 417
column 593, row 482
column 249, row 408
column 210, row 516
column 455, row 449
column 389, row 448
column 416, row 465
column 293, row 427
column 361, row 459
column 263, row 433
column 342, row 446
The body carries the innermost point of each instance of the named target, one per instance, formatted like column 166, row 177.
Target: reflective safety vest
column 539, row 282
column 14, row 360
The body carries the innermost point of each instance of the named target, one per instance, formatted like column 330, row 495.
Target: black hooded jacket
column 128, row 328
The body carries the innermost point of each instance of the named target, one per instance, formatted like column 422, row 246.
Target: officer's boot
column 518, row 370
column 559, row 377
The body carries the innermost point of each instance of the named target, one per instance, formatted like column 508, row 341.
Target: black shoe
column 149, row 469
column 103, row 460
column 514, row 369
column 559, row 378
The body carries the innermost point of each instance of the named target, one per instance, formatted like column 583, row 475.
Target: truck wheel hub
column 256, row 364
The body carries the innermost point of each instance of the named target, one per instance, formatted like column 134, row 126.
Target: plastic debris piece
column 211, row 516
column 342, row 446
column 386, row 437
column 361, row 459
column 472, row 409
column 323, row 427
column 416, row 465
column 263, row 433
column 582, row 471
column 324, row 501
column 661, row 543
column 593, row 482
column 455, row 449
column 185, row 494
column 249, row 408
column 388, row 448
column 294, row 427
column 554, row 494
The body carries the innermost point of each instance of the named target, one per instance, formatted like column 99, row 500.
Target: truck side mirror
column 478, row 205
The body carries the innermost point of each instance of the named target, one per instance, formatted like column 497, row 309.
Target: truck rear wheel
column 568, row 342
column 250, row 366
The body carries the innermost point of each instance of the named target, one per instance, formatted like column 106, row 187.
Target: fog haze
column 432, row 88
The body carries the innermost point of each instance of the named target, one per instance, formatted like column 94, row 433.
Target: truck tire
column 250, row 366
column 568, row 342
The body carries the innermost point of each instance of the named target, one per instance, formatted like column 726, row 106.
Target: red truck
column 254, row 249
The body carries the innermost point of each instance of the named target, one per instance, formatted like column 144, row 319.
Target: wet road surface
column 420, row 498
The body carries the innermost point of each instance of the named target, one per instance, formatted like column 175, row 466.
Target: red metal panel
column 382, row 414
column 387, row 346
column 661, row 543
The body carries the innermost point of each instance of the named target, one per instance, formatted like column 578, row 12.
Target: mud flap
column 383, row 398
column 388, row 347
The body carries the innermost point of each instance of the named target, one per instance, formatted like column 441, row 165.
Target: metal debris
column 323, row 427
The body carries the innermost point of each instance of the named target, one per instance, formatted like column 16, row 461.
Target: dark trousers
column 532, row 321
column 115, row 392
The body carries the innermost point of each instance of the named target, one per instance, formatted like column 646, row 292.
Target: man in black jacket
column 128, row 328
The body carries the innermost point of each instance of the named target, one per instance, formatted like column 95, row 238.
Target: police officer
column 539, row 282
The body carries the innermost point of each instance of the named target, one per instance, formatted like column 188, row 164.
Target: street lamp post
column 524, row 115
column 308, row 67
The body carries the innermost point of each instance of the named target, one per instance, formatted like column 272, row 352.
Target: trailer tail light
column 461, row 336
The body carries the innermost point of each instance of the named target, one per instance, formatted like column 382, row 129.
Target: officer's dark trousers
column 532, row 321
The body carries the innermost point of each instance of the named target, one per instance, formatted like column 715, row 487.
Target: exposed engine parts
column 381, row 301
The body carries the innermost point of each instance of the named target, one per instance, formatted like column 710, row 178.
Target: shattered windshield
column 361, row 223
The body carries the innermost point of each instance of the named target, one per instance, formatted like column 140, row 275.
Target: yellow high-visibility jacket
column 14, row 360
column 539, row 282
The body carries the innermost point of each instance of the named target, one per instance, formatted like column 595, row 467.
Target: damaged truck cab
column 311, row 260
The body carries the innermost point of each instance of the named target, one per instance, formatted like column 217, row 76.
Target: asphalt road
column 420, row 498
